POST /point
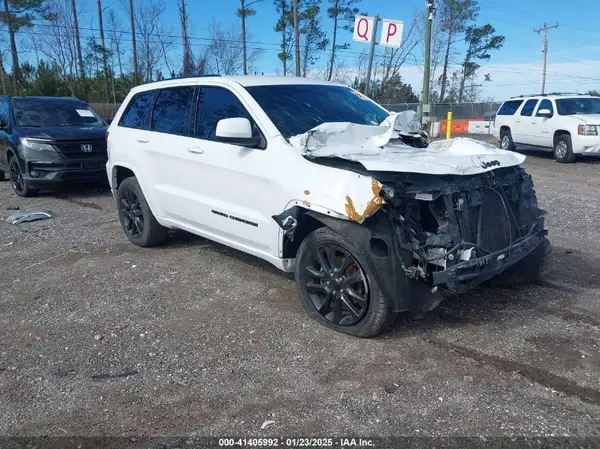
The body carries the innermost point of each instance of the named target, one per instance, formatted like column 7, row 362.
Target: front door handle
column 142, row 140
column 195, row 150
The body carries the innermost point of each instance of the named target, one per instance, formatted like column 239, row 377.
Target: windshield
column 570, row 106
column 297, row 108
column 30, row 113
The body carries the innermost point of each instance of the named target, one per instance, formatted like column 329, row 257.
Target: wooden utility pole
column 133, row 45
column 544, row 30
column 77, row 40
column 296, row 36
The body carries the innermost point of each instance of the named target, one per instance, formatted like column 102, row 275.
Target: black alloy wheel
column 337, row 285
column 16, row 177
column 131, row 211
column 17, row 180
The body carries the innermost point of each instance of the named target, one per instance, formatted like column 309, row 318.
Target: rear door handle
column 142, row 140
column 195, row 150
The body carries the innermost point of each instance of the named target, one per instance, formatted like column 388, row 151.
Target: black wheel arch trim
column 401, row 292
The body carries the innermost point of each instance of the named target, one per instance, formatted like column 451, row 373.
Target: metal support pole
column 449, row 126
column 427, row 68
column 371, row 54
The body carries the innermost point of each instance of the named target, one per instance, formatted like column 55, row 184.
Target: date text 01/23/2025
column 296, row 442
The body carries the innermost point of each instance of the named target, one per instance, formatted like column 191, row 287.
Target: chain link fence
column 460, row 111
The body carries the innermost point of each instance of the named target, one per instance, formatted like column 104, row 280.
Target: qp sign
column 391, row 33
column 363, row 29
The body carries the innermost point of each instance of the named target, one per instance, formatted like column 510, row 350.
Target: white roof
column 246, row 81
column 551, row 96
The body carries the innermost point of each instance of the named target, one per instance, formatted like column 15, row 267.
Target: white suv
column 566, row 124
column 319, row 180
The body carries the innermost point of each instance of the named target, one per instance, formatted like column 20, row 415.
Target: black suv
column 45, row 141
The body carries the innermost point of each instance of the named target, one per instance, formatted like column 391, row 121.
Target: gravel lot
column 99, row 337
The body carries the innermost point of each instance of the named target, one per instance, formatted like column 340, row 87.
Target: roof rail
column 208, row 75
column 548, row 94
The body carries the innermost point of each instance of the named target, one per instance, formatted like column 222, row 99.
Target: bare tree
column 167, row 43
column 394, row 58
column 244, row 12
column 114, row 32
column 148, row 27
column 77, row 39
column 103, row 44
column 187, row 52
column 59, row 43
column 224, row 55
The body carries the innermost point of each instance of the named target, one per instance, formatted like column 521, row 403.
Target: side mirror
column 237, row 131
column 544, row 113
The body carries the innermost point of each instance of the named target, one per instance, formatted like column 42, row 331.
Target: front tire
column 138, row 222
column 17, row 180
column 337, row 287
column 506, row 141
column 563, row 149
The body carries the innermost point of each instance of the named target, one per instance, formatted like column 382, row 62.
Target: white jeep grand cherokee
column 565, row 124
column 316, row 178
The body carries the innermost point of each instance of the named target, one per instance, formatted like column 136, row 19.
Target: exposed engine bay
column 450, row 216
column 462, row 228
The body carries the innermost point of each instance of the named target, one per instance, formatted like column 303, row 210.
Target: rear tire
column 138, row 222
column 325, row 261
column 563, row 149
column 2, row 176
column 530, row 270
column 506, row 141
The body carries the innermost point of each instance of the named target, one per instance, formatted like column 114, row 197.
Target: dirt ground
column 101, row 338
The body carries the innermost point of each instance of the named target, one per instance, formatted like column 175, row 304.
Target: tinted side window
column 528, row 108
column 138, row 111
column 546, row 104
column 214, row 104
column 171, row 112
column 509, row 107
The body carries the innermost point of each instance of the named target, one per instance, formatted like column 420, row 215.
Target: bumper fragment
column 465, row 275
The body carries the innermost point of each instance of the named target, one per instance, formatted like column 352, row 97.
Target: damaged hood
column 378, row 148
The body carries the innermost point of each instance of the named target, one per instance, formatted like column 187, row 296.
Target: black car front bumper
column 40, row 174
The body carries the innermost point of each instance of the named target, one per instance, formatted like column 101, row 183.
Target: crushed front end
column 462, row 230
